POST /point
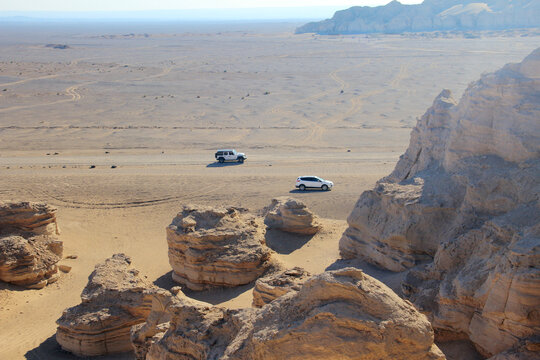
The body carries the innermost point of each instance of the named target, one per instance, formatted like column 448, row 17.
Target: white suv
column 229, row 155
column 313, row 182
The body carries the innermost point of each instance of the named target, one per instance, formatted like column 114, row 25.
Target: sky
column 142, row 5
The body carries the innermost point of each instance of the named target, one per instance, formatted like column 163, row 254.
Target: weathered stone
column 114, row 300
column 291, row 215
column 464, row 199
column 29, row 249
column 341, row 314
column 35, row 218
column 274, row 285
column 145, row 334
column 211, row 247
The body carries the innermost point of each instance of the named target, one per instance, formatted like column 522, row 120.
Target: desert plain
column 118, row 130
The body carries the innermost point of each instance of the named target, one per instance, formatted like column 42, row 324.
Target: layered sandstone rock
column 216, row 247
column 464, row 198
column 29, row 248
column 29, row 262
column 158, row 321
column 114, row 300
column 291, row 215
column 274, row 285
column 36, row 218
column 528, row 349
column 341, row 314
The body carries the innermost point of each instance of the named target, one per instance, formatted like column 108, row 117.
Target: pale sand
column 163, row 115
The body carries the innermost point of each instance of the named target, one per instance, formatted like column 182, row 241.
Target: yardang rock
column 291, row 215
column 114, row 300
column 211, row 247
column 464, row 199
column 29, row 248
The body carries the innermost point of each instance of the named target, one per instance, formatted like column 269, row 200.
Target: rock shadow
column 220, row 295
column 225, row 164
column 12, row 287
column 50, row 349
column 212, row 296
column 165, row 281
column 285, row 243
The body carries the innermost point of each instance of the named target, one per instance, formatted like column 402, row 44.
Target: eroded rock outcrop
column 211, row 247
column 464, row 199
column 341, row 314
column 115, row 299
column 35, row 218
column 274, row 285
column 291, row 215
column 29, row 248
column 157, row 323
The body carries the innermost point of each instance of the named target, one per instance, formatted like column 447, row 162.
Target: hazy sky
column 138, row 5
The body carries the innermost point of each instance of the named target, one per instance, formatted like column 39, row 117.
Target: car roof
column 310, row 176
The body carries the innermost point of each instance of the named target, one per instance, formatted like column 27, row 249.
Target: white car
column 223, row 155
column 313, row 182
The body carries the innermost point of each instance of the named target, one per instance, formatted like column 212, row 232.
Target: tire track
column 58, row 200
column 70, row 91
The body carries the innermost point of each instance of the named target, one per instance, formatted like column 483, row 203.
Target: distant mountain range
column 431, row 15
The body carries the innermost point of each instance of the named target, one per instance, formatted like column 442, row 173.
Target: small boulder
column 291, row 215
column 271, row 287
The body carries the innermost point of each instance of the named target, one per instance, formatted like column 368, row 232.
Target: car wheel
column 241, row 160
column 221, row 160
column 324, row 187
column 302, row 187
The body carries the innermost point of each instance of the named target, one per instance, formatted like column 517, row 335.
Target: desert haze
column 116, row 126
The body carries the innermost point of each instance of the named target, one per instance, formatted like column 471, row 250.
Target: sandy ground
column 157, row 101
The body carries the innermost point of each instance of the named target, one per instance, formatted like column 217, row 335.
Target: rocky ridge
column 430, row 15
column 29, row 247
column 464, row 200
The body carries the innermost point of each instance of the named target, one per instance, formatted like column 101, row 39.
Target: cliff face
column 464, row 198
column 429, row 16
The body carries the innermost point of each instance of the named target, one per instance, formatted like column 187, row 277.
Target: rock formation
column 274, row 285
column 211, row 247
column 528, row 349
column 158, row 321
column 341, row 314
column 114, row 300
column 464, row 199
column 29, row 249
column 429, row 16
column 35, row 218
column 291, row 215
